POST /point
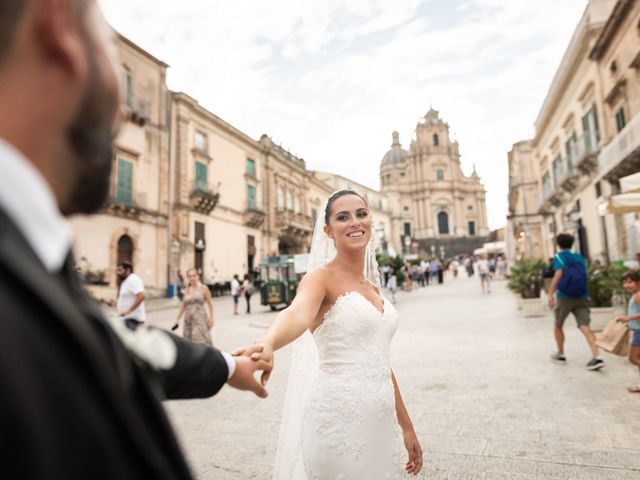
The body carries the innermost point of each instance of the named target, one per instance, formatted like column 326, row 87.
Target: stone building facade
column 134, row 224
column 587, row 136
column 436, row 207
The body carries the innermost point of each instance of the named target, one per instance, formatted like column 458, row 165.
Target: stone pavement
column 476, row 377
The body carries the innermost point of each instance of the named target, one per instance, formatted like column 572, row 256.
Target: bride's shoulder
column 320, row 276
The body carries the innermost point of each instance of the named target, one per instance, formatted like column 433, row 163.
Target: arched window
column 436, row 140
column 443, row 223
column 125, row 250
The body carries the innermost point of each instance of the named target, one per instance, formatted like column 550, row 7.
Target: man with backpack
column 568, row 294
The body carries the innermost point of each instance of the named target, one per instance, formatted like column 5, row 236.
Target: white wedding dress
column 350, row 429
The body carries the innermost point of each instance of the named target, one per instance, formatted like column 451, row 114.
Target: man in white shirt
column 131, row 294
column 235, row 292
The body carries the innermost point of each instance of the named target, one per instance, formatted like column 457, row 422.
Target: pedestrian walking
column 130, row 304
column 454, row 266
column 484, row 273
column 502, row 267
column 247, row 290
column 631, row 283
column 407, row 276
column 440, row 271
column 392, row 285
column 235, row 292
column 468, row 265
column 568, row 293
column 433, row 267
column 197, row 322
column 492, row 268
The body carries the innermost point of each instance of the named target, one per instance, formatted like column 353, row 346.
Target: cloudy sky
column 330, row 80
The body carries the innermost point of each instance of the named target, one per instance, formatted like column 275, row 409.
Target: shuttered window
column 201, row 176
column 124, row 187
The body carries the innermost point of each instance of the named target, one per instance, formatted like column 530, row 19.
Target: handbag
column 614, row 338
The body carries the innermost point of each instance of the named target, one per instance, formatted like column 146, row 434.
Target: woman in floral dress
column 197, row 321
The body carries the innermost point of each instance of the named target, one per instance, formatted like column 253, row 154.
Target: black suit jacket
column 75, row 404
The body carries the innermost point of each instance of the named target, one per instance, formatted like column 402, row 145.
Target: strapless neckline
column 346, row 295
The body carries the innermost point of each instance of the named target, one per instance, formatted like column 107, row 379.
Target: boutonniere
column 151, row 345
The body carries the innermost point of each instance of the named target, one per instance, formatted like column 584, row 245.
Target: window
column 201, row 141
column 406, row 208
column 570, row 148
column 251, row 167
column 251, row 197
column 402, row 174
column 598, row 187
column 440, row 175
column 590, row 128
column 296, row 204
column 546, row 184
column 443, row 223
column 314, row 216
column 407, row 229
column 436, row 140
column 280, row 198
column 201, row 176
column 472, row 229
column 379, row 204
column 128, row 85
column 288, row 201
column 620, row 119
column 124, row 187
column 470, row 207
column 558, row 170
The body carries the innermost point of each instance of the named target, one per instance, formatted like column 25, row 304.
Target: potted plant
column 526, row 279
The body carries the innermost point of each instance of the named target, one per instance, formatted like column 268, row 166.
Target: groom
column 75, row 402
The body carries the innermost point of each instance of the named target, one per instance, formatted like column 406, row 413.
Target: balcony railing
column 287, row 219
column 203, row 198
column 127, row 203
column 622, row 155
column 584, row 155
column 254, row 215
column 139, row 110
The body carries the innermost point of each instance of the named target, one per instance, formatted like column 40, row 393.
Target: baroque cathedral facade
column 436, row 209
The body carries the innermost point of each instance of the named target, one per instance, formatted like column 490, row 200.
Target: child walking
column 631, row 283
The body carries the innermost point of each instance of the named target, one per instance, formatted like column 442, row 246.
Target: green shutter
column 124, row 189
column 251, row 167
column 201, row 176
column 251, row 195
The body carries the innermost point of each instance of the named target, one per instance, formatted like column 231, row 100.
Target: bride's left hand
column 411, row 443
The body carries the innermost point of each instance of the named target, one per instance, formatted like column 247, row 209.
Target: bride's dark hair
column 336, row 195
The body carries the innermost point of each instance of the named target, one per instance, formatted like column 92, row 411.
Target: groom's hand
column 243, row 378
column 260, row 353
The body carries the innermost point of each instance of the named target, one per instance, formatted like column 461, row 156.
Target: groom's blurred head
column 60, row 95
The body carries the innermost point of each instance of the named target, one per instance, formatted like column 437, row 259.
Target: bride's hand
column 264, row 354
column 414, row 465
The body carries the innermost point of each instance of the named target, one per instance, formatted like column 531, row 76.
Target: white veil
column 304, row 359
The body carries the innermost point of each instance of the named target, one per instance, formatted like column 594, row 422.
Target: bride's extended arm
column 299, row 316
column 292, row 321
column 414, row 464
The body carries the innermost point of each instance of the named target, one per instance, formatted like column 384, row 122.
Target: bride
column 351, row 420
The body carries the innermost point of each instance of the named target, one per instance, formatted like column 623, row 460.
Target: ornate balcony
column 127, row 204
column 585, row 154
column 621, row 157
column 569, row 181
column 138, row 110
column 203, row 198
column 291, row 223
column 254, row 216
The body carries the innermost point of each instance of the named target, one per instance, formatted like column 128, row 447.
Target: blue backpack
column 574, row 277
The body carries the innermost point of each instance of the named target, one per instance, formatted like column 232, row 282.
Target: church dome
column 397, row 154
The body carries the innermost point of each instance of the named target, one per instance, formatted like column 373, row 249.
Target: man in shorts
column 565, row 303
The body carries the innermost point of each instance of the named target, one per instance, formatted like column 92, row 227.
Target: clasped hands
column 257, row 357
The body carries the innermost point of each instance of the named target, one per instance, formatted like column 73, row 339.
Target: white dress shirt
column 27, row 198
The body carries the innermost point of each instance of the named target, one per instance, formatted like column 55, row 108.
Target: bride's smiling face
column 349, row 223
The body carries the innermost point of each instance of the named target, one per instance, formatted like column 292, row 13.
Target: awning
column 625, row 203
column 630, row 183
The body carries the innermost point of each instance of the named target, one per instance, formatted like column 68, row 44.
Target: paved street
column 476, row 377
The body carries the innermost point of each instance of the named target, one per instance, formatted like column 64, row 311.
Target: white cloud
column 332, row 79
